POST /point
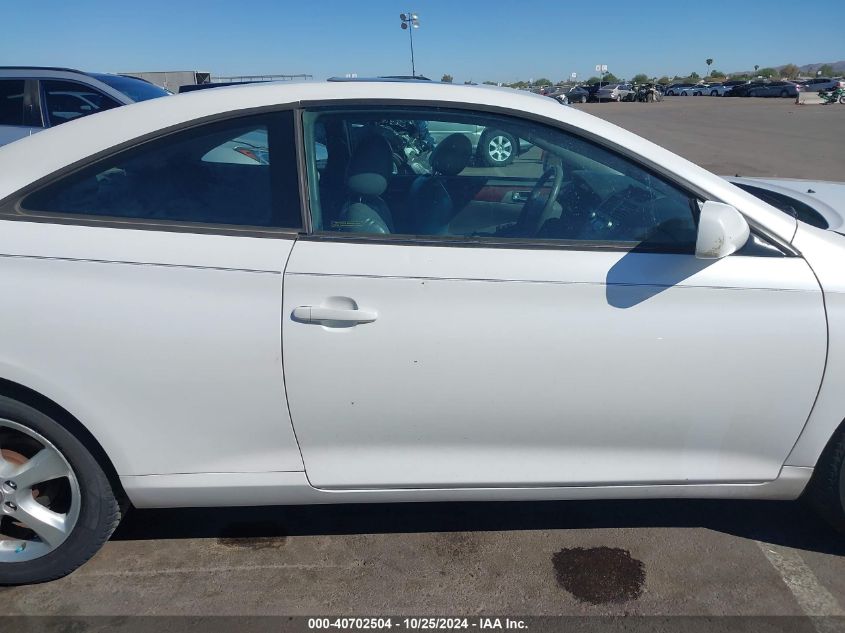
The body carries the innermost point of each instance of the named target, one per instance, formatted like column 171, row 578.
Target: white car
column 599, row 319
column 613, row 92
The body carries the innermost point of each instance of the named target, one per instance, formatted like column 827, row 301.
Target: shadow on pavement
column 791, row 524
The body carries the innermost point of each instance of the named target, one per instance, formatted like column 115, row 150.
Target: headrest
column 451, row 155
column 370, row 166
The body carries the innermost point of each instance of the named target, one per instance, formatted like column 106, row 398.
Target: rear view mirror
column 722, row 230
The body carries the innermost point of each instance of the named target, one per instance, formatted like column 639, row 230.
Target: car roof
column 33, row 158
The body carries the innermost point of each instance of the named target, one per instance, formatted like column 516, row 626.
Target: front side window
column 64, row 101
column 11, row 102
column 474, row 176
column 237, row 172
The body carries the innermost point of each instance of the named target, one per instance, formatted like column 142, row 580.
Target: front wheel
column 826, row 490
column 583, row 99
column 714, row 93
column 784, row 94
column 57, row 506
column 497, row 148
column 842, row 99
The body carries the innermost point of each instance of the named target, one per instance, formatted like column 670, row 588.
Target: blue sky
column 499, row 40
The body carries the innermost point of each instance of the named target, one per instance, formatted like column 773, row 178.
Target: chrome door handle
column 318, row 314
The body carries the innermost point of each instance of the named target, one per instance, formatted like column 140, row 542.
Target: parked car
column 694, row 91
column 491, row 146
column 185, row 332
column 775, row 89
column 613, row 92
column 578, row 94
column 818, row 203
column 676, row 88
column 821, row 83
column 743, row 90
column 593, row 89
column 35, row 98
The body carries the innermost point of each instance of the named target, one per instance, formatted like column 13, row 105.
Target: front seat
column 430, row 204
column 370, row 167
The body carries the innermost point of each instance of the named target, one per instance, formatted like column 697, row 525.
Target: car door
column 153, row 279
column 581, row 344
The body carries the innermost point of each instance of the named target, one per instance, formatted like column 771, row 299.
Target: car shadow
column 791, row 524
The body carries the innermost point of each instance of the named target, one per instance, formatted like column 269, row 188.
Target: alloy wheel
column 40, row 497
column 499, row 148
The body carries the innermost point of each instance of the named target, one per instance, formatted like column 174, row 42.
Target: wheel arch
column 47, row 406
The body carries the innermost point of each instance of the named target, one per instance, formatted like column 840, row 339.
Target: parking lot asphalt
column 575, row 558
column 749, row 137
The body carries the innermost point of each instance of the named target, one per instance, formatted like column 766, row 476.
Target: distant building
column 172, row 80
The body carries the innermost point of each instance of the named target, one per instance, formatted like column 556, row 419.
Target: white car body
column 826, row 198
column 489, row 373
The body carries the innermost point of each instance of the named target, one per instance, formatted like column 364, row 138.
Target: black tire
column 670, row 93
column 714, row 93
column 826, row 490
column 583, row 99
column 784, row 94
column 484, row 151
column 100, row 510
column 842, row 100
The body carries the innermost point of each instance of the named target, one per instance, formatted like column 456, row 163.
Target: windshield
column 135, row 89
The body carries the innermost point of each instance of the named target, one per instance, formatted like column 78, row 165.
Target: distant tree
column 542, row 81
column 490, row 83
column 756, row 66
column 768, row 72
column 470, row 83
column 640, row 78
column 519, row 84
column 611, row 78
column 708, row 61
column 790, row 71
column 593, row 80
column 693, row 76
column 664, row 80
column 741, row 76
column 716, row 73
column 826, row 70
column 446, row 79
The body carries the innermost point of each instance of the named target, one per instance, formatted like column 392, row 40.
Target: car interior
column 381, row 173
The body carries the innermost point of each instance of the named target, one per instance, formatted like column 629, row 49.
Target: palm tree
column 756, row 66
column 708, row 61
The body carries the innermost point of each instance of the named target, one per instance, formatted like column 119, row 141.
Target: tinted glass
column 68, row 100
column 459, row 175
column 135, row 89
column 239, row 172
column 787, row 204
column 11, row 102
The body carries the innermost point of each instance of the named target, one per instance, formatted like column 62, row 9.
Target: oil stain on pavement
column 599, row 575
column 258, row 535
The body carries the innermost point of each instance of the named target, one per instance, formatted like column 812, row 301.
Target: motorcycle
column 410, row 143
column 832, row 96
column 648, row 93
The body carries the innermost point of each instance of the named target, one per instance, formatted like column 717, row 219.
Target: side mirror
column 722, row 230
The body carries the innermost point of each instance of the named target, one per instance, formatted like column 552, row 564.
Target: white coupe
column 191, row 318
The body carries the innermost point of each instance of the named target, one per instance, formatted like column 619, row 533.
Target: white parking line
column 813, row 598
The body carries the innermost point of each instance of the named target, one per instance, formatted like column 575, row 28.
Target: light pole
column 410, row 21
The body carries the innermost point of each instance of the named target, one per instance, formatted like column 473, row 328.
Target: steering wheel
column 536, row 211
